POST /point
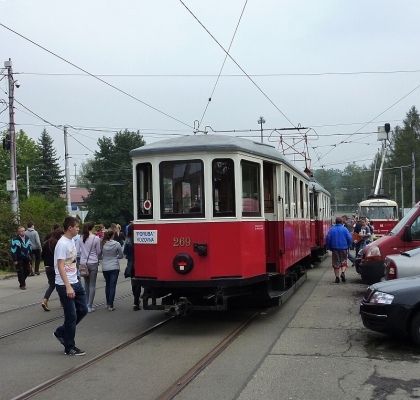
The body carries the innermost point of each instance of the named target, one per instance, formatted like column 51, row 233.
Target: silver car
column 407, row 263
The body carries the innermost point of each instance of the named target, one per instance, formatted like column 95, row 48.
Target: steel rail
column 39, row 302
column 181, row 383
column 53, row 319
column 51, row 382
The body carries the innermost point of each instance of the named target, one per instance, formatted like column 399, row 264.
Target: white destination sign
column 145, row 237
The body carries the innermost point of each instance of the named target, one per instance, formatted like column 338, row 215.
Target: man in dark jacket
column 21, row 250
column 339, row 241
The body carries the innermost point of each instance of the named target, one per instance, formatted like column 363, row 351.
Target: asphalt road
column 312, row 347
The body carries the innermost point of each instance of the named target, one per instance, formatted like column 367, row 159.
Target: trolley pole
column 66, row 157
column 12, row 184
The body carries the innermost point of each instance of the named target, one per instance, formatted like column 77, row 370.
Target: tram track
column 172, row 390
column 38, row 324
column 39, row 302
column 53, row 381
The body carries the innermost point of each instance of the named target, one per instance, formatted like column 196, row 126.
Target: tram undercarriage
column 271, row 289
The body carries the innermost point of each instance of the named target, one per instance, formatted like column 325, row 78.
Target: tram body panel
column 234, row 249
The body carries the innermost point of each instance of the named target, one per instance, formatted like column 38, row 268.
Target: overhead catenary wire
column 223, row 64
column 225, row 75
column 94, row 76
column 373, row 119
column 227, row 53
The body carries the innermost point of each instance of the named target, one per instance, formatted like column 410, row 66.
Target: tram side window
column 287, row 193
column 181, row 189
column 295, row 198
column 250, row 189
column 305, row 199
column 144, row 191
column 223, row 188
column 301, row 199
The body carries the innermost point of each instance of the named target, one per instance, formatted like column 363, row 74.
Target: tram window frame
column 144, row 169
column 254, row 187
column 287, row 194
column 306, row 202
column 225, row 190
column 295, row 197
column 195, row 187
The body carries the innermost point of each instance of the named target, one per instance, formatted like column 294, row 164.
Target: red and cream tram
column 321, row 218
column 218, row 218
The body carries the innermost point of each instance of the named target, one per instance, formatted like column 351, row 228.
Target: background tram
column 218, row 218
column 321, row 218
column 381, row 212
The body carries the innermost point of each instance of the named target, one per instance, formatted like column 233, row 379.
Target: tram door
column 269, row 179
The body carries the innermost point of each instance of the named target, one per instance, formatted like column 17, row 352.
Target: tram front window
column 144, row 191
column 223, row 188
column 181, row 189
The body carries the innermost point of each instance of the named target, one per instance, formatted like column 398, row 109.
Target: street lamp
column 261, row 121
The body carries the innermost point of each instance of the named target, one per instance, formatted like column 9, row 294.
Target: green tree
column 26, row 156
column 405, row 141
column 48, row 178
column 108, row 177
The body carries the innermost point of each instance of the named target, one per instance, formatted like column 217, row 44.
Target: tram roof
column 213, row 143
column 319, row 187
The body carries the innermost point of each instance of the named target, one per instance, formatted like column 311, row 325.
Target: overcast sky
column 341, row 68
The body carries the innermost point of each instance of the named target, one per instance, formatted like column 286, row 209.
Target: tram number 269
column 182, row 241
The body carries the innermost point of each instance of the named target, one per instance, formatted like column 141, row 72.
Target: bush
column 43, row 212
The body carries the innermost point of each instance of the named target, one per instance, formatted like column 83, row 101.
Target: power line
column 96, row 77
column 383, row 112
column 255, row 84
column 223, row 75
column 224, row 61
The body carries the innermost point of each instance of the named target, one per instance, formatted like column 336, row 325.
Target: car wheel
column 415, row 329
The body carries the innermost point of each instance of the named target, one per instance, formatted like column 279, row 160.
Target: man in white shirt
column 71, row 291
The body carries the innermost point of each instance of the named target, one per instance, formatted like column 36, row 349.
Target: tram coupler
column 180, row 308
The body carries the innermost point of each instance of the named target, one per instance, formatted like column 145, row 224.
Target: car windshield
column 403, row 221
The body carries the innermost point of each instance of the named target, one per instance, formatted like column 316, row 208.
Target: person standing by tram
column 72, row 293
column 339, row 241
column 129, row 255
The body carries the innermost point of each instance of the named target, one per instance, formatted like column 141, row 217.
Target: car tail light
column 392, row 271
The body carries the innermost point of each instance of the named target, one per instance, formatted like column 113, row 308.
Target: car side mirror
column 407, row 236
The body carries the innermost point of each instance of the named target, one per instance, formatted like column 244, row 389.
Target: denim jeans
column 74, row 311
column 111, row 278
column 90, row 283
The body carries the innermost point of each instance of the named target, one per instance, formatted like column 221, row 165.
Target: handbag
column 83, row 268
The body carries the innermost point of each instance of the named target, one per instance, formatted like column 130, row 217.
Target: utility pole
column 413, row 179
column 66, row 158
column 27, row 181
column 402, row 194
column 261, row 121
column 12, row 184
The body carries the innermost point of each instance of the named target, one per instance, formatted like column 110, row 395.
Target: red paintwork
column 319, row 231
column 234, row 249
column 239, row 249
column 382, row 227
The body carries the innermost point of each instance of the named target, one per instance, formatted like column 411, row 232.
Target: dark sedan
column 393, row 307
